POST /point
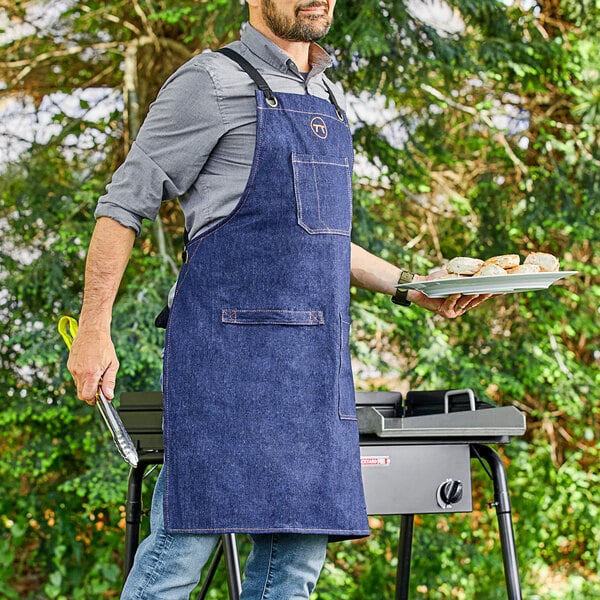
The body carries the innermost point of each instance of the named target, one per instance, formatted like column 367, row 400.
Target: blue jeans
column 281, row 566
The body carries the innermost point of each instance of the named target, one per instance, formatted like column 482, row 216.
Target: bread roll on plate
column 524, row 268
column 547, row 262
column 464, row 265
column 489, row 270
column 506, row 261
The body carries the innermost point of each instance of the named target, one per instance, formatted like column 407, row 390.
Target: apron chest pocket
column 323, row 189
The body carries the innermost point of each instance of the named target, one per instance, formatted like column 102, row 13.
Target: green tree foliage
column 476, row 130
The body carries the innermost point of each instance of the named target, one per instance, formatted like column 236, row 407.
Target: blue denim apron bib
column 260, row 428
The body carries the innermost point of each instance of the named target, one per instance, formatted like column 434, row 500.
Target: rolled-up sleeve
column 180, row 131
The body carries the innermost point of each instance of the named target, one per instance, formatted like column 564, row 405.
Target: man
column 260, row 427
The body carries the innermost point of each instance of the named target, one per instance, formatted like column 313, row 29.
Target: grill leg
column 232, row 564
column 404, row 555
column 226, row 545
column 133, row 516
column 503, row 512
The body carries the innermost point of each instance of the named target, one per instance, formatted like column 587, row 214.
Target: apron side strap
column 258, row 79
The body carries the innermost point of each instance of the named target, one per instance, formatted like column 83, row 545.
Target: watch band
column 401, row 295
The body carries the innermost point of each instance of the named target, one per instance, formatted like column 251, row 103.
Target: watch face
column 406, row 277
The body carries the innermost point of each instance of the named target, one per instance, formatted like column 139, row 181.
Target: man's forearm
column 373, row 273
column 107, row 258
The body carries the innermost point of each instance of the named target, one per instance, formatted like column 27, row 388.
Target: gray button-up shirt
column 197, row 142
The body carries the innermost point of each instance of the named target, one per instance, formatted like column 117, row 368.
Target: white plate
column 493, row 284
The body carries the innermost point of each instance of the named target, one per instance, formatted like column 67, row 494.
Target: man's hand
column 92, row 359
column 450, row 307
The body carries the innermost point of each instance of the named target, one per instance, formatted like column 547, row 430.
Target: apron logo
column 318, row 127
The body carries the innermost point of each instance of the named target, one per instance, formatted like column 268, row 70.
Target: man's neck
column 298, row 51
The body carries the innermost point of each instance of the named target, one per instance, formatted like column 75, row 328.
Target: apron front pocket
column 272, row 317
column 323, row 189
column 346, row 401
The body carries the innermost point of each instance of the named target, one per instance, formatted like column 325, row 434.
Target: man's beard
column 300, row 28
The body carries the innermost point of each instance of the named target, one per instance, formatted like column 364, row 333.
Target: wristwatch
column 400, row 297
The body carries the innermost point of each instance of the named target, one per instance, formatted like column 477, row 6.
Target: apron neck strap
column 338, row 110
column 258, row 79
column 263, row 86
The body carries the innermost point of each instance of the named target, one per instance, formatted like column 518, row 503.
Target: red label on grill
column 375, row 461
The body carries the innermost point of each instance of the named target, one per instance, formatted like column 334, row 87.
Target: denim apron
column 260, row 427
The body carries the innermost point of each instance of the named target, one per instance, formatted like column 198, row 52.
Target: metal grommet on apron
column 260, row 427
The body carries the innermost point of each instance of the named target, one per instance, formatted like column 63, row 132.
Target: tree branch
column 142, row 15
column 483, row 116
column 30, row 64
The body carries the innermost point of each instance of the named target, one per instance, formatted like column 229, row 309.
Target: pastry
column 546, row 262
column 524, row 268
column 506, row 261
column 489, row 270
column 464, row 265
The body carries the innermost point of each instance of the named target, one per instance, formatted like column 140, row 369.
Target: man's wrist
column 401, row 295
column 96, row 324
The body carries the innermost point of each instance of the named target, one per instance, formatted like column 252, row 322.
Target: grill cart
column 416, row 455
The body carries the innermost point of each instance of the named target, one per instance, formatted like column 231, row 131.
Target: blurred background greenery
column 476, row 127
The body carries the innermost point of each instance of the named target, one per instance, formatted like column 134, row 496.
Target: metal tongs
column 67, row 327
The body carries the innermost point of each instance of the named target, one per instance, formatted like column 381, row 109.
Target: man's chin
column 316, row 27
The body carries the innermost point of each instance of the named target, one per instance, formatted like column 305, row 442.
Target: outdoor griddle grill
column 416, row 458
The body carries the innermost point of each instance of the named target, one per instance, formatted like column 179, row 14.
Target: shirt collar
column 271, row 53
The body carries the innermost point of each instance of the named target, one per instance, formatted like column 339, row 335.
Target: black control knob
column 449, row 493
